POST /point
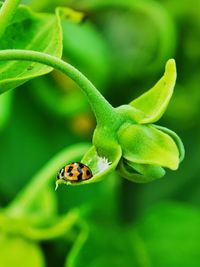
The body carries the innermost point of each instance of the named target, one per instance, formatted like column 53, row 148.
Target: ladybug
column 73, row 173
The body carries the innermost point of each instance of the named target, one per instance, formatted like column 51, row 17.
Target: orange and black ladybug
column 73, row 173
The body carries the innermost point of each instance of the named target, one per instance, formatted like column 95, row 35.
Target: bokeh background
column 122, row 48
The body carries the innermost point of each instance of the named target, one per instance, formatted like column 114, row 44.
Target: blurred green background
column 122, row 48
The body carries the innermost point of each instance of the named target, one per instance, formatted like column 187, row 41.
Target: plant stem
column 58, row 227
column 78, row 244
column 104, row 112
column 6, row 13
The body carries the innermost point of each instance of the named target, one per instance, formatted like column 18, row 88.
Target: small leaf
column 176, row 139
column 144, row 144
column 154, row 102
column 30, row 31
column 15, row 251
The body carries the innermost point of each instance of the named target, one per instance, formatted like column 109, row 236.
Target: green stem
column 78, row 244
column 60, row 228
column 104, row 112
column 42, row 179
column 6, row 13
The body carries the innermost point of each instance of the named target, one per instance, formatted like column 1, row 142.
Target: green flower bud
column 145, row 149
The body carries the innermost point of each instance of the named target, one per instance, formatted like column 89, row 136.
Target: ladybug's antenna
column 56, row 186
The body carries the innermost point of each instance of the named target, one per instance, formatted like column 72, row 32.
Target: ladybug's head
column 60, row 177
column 61, row 174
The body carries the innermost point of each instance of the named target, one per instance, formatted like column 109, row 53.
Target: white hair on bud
column 103, row 164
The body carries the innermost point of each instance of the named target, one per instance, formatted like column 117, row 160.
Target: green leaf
column 144, row 144
column 154, row 102
column 15, row 251
column 30, row 31
column 170, row 235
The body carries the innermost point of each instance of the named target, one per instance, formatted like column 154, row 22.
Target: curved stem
column 6, row 13
column 78, row 244
column 61, row 227
column 104, row 112
column 56, row 228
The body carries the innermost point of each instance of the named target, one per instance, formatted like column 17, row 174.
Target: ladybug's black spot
column 80, row 173
column 80, row 176
column 88, row 172
column 70, row 169
column 70, row 174
column 81, row 165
